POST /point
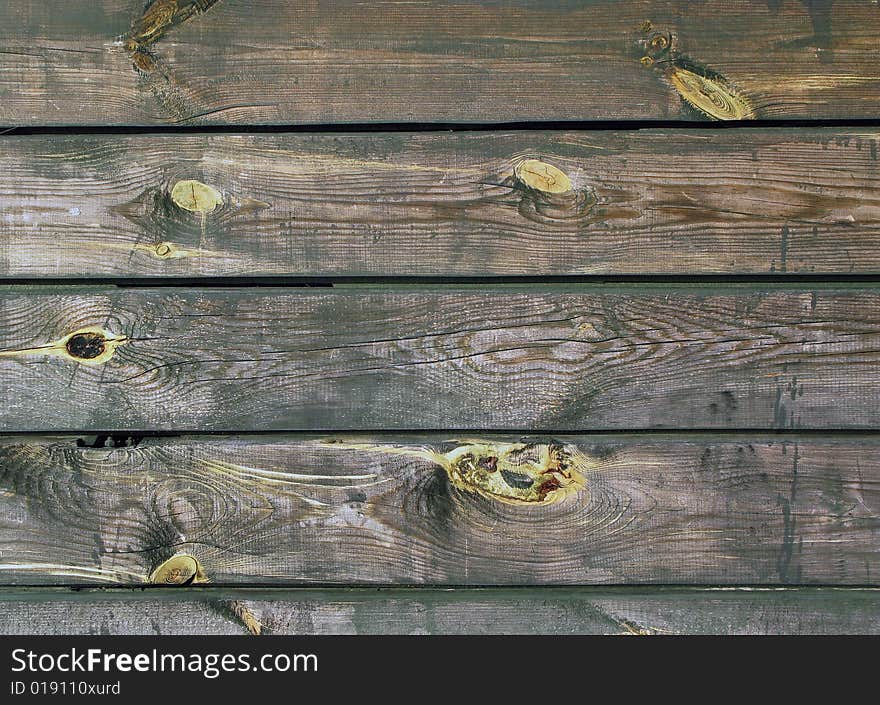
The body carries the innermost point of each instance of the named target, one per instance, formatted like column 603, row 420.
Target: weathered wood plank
column 464, row 204
column 392, row 510
column 266, row 61
column 429, row 611
column 538, row 359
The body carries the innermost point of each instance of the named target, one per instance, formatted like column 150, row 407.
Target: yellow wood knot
column 660, row 41
column 515, row 473
column 511, row 473
column 542, row 176
column 712, row 96
column 180, row 569
column 164, row 250
column 699, row 86
column 196, row 197
column 167, row 250
column 89, row 346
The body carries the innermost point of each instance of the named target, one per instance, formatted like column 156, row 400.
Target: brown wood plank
column 502, row 358
column 546, row 610
column 464, row 204
column 389, row 510
column 266, row 61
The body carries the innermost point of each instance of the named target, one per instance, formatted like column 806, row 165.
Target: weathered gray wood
column 429, row 611
column 269, row 61
column 692, row 202
column 592, row 357
column 383, row 511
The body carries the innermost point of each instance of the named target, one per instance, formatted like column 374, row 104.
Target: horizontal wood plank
column 464, row 204
column 502, row 358
column 266, row 61
column 388, row 510
column 427, row 611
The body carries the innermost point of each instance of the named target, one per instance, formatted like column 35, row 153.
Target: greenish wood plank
column 264, row 61
column 477, row 204
column 534, row 359
column 642, row 611
column 423, row 509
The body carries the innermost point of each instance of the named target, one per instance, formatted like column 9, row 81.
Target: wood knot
column 542, row 176
column 656, row 46
column 90, row 346
column 196, row 197
column 710, row 94
column 93, row 346
column 158, row 17
column 548, row 194
column 700, row 88
column 180, row 569
column 516, row 473
column 659, row 42
column 511, row 473
column 166, row 250
column 86, row 346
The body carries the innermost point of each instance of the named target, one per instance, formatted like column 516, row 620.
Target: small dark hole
column 86, row 346
column 489, row 464
column 110, row 440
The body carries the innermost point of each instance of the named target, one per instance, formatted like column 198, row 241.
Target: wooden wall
column 338, row 317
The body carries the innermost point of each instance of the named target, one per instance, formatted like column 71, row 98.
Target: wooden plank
column 590, row 357
column 429, row 611
column 264, row 61
column 423, row 510
column 463, row 204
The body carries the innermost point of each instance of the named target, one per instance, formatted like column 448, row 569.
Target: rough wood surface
column 463, row 204
column 268, row 61
column 586, row 358
column 429, row 611
column 376, row 510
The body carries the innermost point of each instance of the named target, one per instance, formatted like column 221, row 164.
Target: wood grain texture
column 502, row 358
column 429, row 611
column 267, row 61
column 646, row 202
column 302, row 510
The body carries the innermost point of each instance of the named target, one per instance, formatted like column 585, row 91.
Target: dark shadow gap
column 294, row 587
column 118, row 438
column 371, row 127
column 327, row 282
